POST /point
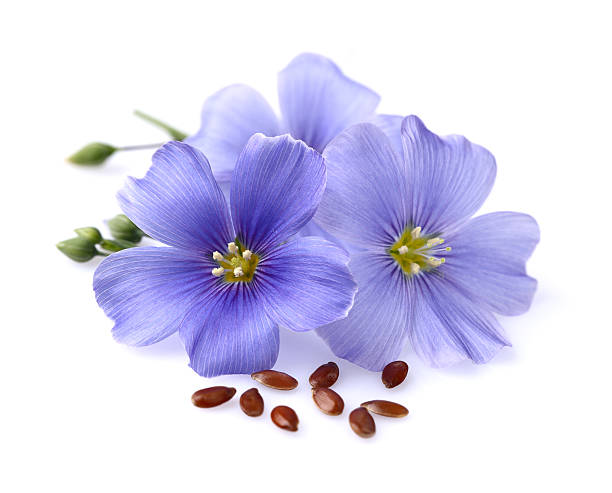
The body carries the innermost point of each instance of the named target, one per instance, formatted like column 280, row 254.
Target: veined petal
column 375, row 330
column 318, row 101
column 229, row 118
column 449, row 177
column 178, row 202
column 148, row 290
column 488, row 260
column 278, row 183
column 448, row 326
column 364, row 202
column 391, row 125
column 306, row 283
column 233, row 335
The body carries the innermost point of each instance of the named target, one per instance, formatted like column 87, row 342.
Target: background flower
column 317, row 101
column 225, row 281
column 397, row 203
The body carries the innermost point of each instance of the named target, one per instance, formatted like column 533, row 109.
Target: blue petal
column 233, row 335
column 278, row 183
column 318, row 101
column 364, row 202
column 178, row 202
column 306, row 283
column 448, row 325
column 449, row 177
column 488, row 260
column 148, row 290
column 229, row 118
column 391, row 125
column 374, row 332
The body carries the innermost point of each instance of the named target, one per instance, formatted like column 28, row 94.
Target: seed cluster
column 326, row 399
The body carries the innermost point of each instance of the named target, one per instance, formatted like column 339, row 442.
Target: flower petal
column 364, row 202
column 278, row 183
column 148, row 290
column 449, row 177
column 306, row 283
column 391, row 125
column 229, row 118
column 488, row 260
column 232, row 336
column 178, row 202
column 318, row 101
column 448, row 326
column 374, row 332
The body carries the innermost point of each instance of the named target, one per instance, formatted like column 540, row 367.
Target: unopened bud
column 89, row 233
column 78, row 249
column 92, row 154
column 123, row 229
column 116, row 245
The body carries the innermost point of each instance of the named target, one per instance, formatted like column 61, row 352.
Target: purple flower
column 402, row 198
column 229, row 276
column 316, row 100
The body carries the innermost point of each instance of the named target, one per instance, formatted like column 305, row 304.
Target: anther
column 217, row 256
column 403, row 250
column 232, row 247
column 238, row 272
column 416, row 232
column 434, row 242
column 415, row 268
column 218, row 272
column 246, row 255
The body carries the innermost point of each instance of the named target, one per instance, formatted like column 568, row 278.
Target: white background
column 81, row 413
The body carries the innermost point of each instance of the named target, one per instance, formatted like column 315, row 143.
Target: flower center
column 415, row 252
column 237, row 264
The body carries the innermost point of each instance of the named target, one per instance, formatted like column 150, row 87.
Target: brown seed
column 212, row 396
column 328, row 401
column 325, row 376
column 362, row 423
column 275, row 379
column 252, row 403
column 394, row 374
column 284, row 417
column 386, row 408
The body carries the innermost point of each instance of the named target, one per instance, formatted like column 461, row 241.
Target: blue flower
column 401, row 197
column 316, row 100
column 227, row 279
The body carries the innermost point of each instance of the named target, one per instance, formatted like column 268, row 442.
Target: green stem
column 173, row 132
column 141, row 146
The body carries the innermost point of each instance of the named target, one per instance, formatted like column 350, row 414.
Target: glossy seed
column 284, row 417
column 212, row 396
column 275, row 379
column 252, row 403
column 394, row 374
column 386, row 408
column 362, row 423
column 328, row 401
column 324, row 376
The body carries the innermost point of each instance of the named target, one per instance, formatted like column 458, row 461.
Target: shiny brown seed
column 328, row 401
column 252, row 403
column 394, row 374
column 212, row 396
column 275, row 379
column 324, row 376
column 284, row 417
column 386, row 408
column 362, row 423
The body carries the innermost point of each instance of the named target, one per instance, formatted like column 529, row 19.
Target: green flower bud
column 123, row 229
column 89, row 233
column 92, row 154
column 78, row 249
column 116, row 245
